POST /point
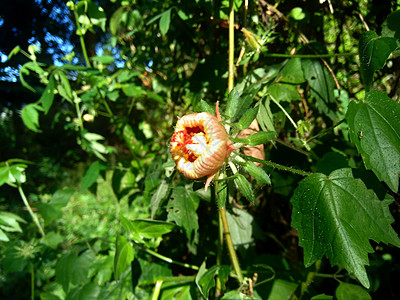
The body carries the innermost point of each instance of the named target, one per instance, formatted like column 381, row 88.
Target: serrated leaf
column 336, row 216
column 245, row 100
column 30, row 116
column 321, row 86
column 373, row 51
column 205, row 279
column 124, row 255
column 292, row 72
column 374, row 127
column 182, row 210
column 245, row 188
column 284, row 92
column 165, row 21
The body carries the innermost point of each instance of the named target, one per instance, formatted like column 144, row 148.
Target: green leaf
column 391, row 26
column 244, row 187
column 205, row 279
column 282, row 289
column 48, row 95
column 347, row 291
column 232, row 103
column 9, row 223
column 292, row 72
column 247, row 118
column 124, row 255
column 97, row 15
column 92, row 174
column 72, row 269
column 261, row 137
column 165, row 21
column 321, row 86
column 373, row 51
column 182, row 210
column 205, row 107
column 374, row 128
column 30, row 116
column 284, row 92
column 159, row 196
column 52, row 239
column 245, row 100
column 106, row 59
column 256, row 172
column 222, row 193
column 241, row 230
column 331, row 213
column 151, row 228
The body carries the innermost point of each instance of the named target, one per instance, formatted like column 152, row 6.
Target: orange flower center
column 190, row 142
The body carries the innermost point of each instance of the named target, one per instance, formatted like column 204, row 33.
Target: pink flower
column 200, row 145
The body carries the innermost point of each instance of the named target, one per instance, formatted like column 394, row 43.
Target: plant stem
column 82, row 40
column 284, row 111
column 276, row 166
column 32, row 281
column 157, row 290
column 229, row 244
column 231, row 65
column 323, row 132
column 33, row 215
column 308, row 55
column 170, row 260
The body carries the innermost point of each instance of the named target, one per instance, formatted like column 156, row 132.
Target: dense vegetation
column 306, row 206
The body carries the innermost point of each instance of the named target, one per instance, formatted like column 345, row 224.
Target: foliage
column 306, row 205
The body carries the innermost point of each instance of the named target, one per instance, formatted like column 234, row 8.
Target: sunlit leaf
column 30, row 116
column 165, row 21
column 92, row 174
column 347, row 291
column 336, row 216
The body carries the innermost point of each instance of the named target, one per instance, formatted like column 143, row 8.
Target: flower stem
column 32, row 281
column 157, row 290
column 229, row 244
column 81, row 39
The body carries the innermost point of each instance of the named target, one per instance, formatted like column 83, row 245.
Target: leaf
column 158, row 197
column 347, row 291
column 48, row 95
column 336, row 216
column 261, row 137
column 391, row 26
column 165, row 21
column 233, row 103
column 151, row 228
column 284, row 92
column 124, row 255
column 256, row 172
column 282, row 289
column 244, row 187
column 240, row 225
column 222, row 192
column 106, row 59
column 373, row 51
column 52, row 239
column 72, row 269
column 205, row 107
column 245, row 100
column 182, row 210
column 30, row 116
column 374, row 128
column 321, row 86
column 205, row 279
column 92, row 174
column 292, row 72
column 247, row 118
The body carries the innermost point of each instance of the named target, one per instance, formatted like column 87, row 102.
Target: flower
column 200, row 145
